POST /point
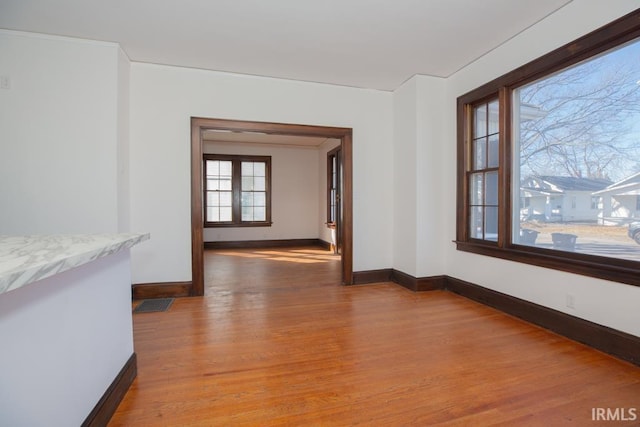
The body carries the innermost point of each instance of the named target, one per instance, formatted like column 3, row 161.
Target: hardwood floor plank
column 277, row 341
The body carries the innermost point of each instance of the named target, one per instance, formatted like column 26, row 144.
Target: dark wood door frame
column 199, row 124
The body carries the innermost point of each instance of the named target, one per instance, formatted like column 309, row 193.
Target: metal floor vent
column 151, row 305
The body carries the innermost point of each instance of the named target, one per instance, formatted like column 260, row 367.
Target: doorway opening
column 344, row 233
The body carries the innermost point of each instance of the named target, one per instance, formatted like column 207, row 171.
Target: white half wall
column 64, row 340
column 606, row 303
column 58, row 134
column 163, row 100
column 294, row 193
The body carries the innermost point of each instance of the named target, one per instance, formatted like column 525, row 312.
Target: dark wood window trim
column 236, row 190
column 607, row 37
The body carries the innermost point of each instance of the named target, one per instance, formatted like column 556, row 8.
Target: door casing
column 199, row 125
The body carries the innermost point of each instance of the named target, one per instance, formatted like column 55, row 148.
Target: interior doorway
column 344, row 233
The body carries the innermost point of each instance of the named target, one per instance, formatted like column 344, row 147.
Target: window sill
column 238, row 225
column 583, row 264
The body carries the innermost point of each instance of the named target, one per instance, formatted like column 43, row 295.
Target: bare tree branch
column 591, row 112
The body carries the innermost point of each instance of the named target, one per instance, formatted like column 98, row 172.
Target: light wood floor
column 277, row 342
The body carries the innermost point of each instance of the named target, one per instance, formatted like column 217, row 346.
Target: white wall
column 124, row 206
column 419, row 145
column 64, row 340
column 606, row 303
column 63, row 150
column 58, row 134
column 163, row 99
column 294, row 193
column 432, row 142
column 405, row 114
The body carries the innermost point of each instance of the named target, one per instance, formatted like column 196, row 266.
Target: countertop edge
column 104, row 245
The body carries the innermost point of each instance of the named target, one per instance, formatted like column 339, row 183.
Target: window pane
column 225, row 214
column 493, row 117
column 577, row 141
column 213, row 167
column 491, row 223
column 480, row 153
column 480, row 122
column 247, row 168
column 213, row 215
column 494, row 159
column 476, row 226
column 225, row 184
column 213, row 199
column 260, row 199
column 332, row 204
column 259, row 214
column 225, row 198
column 259, row 183
column 247, row 198
column 334, row 175
column 247, row 213
column 213, row 184
column 225, row 168
column 259, row 169
column 247, row 183
column 491, row 188
column 477, row 189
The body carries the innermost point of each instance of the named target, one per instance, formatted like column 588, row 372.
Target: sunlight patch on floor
column 240, row 254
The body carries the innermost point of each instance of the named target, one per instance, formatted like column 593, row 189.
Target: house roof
column 627, row 186
column 561, row 184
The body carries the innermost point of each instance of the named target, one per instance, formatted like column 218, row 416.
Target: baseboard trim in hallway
column 142, row 291
column 263, row 244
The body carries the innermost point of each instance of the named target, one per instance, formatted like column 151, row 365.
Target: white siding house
column 560, row 198
column 620, row 201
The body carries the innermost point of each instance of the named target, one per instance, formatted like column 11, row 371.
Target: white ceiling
column 375, row 44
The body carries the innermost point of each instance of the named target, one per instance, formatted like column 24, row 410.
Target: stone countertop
column 26, row 259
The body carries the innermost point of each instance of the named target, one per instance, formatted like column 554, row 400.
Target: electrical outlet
column 571, row 302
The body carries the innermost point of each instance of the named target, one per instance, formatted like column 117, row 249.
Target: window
column 237, row 190
column 333, row 186
column 547, row 170
column 482, row 174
